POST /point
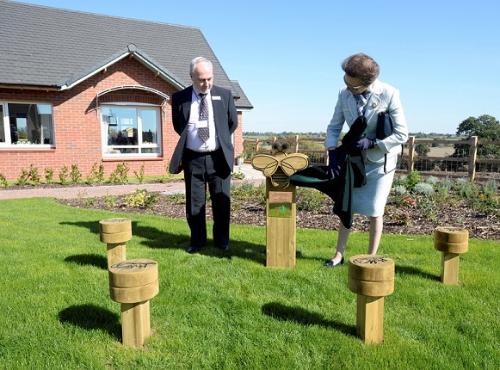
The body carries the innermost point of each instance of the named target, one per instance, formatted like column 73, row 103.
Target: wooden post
column 449, row 271
column 133, row 283
column 451, row 241
column 257, row 145
column 116, row 232
column 411, row 153
column 281, row 213
column 472, row 157
column 370, row 318
column 371, row 278
column 296, row 143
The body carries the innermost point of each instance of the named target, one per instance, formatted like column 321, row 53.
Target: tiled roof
column 44, row 46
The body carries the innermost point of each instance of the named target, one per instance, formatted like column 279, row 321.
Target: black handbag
column 385, row 127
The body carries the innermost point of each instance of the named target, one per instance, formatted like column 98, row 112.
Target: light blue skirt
column 370, row 199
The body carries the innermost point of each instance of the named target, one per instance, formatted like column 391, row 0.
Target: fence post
column 472, row 157
column 257, row 144
column 411, row 153
column 296, row 143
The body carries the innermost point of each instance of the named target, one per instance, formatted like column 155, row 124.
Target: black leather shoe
column 331, row 264
column 193, row 249
column 224, row 248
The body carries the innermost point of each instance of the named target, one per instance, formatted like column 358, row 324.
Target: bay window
column 130, row 130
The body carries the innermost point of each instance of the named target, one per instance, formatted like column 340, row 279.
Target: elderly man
column 204, row 116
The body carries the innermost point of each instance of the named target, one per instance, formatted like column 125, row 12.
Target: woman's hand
column 365, row 144
column 333, row 164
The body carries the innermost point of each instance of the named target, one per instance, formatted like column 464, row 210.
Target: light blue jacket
column 384, row 98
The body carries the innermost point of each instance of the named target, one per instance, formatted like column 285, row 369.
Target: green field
column 229, row 311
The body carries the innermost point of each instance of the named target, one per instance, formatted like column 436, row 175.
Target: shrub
column 63, row 175
column 490, row 189
column 110, row 201
column 423, row 188
column 309, row 199
column 432, row 180
column 249, row 191
column 49, row 175
column 3, row 182
column 90, row 202
column 23, row 177
column 33, row 175
column 120, row 174
column 141, row 198
column 238, row 175
column 399, row 189
column 428, row 207
column 177, row 198
column 96, row 174
column 140, row 175
column 412, row 179
column 75, row 174
column 466, row 189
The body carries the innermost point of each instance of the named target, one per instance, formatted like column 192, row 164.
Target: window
column 131, row 130
column 26, row 124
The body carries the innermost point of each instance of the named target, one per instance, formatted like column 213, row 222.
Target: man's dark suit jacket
column 225, row 117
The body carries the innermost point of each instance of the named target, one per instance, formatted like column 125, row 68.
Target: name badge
column 201, row 124
column 216, row 97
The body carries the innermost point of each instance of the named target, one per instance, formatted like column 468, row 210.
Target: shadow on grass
column 90, row 317
column 88, row 259
column 155, row 238
column 302, row 316
column 410, row 270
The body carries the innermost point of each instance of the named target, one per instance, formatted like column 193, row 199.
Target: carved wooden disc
column 451, row 234
column 136, row 294
column 116, row 238
column 133, row 273
column 115, row 225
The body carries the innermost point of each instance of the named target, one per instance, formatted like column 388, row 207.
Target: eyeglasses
column 354, row 87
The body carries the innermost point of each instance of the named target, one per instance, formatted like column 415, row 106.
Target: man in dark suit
column 204, row 116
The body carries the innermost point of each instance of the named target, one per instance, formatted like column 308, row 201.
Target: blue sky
column 444, row 56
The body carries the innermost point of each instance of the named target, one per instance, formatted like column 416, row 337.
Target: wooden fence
column 447, row 164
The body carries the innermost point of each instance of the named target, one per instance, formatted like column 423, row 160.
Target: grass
column 217, row 311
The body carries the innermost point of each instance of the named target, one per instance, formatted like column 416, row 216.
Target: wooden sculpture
column 452, row 241
column 116, row 232
column 133, row 283
column 371, row 278
column 280, row 203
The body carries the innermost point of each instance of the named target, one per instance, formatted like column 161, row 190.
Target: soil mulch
column 397, row 220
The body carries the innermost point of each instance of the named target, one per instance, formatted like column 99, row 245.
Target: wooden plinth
column 136, row 326
column 451, row 241
column 115, row 232
column 371, row 278
column 449, row 270
column 133, row 283
column 370, row 319
column 116, row 254
column 281, row 214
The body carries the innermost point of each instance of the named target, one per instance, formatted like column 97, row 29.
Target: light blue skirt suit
column 380, row 161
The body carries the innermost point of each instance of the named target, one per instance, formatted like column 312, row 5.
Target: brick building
column 80, row 88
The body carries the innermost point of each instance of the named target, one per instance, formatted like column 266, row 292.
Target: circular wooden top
column 133, row 273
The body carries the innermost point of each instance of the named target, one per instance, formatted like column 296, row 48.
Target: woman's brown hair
column 361, row 66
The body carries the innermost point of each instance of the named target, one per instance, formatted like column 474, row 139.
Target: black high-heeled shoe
column 331, row 264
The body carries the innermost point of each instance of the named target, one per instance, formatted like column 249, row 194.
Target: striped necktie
column 203, row 132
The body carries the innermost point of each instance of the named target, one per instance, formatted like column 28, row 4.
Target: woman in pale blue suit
column 365, row 95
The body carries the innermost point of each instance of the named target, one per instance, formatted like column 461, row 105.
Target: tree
column 486, row 128
column 422, row 149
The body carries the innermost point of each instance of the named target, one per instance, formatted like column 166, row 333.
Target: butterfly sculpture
column 280, row 166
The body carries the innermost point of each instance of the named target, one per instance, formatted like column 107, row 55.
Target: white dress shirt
column 193, row 140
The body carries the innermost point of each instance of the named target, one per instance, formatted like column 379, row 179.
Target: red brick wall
column 77, row 128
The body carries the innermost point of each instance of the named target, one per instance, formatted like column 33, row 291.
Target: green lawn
column 215, row 311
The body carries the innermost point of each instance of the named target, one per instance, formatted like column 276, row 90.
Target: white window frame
column 6, row 125
column 104, row 132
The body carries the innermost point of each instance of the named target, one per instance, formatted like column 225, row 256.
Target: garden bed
column 410, row 213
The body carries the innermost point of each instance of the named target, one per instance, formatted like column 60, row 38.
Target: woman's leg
column 376, row 226
column 341, row 243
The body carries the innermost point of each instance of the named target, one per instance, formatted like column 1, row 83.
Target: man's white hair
column 197, row 61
